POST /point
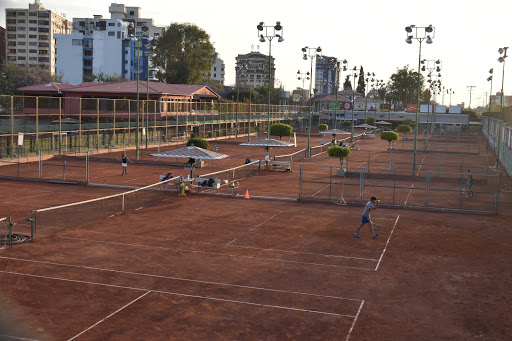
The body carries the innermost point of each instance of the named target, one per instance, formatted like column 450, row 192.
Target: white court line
column 355, row 319
column 320, row 190
column 254, row 226
column 215, row 253
column 2, row 337
column 418, row 172
column 115, row 312
column 182, row 279
column 367, row 161
column 387, row 242
column 180, row 294
column 405, row 203
column 238, row 246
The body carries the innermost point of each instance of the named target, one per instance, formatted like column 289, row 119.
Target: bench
column 199, row 181
column 286, row 165
column 252, row 163
column 174, row 184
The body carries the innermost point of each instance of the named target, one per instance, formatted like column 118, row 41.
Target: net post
column 31, row 219
column 87, row 167
column 10, row 232
column 122, row 203
column 40, row 165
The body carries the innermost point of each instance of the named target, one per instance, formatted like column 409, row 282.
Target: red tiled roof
column 47, row 87
column 155, row 88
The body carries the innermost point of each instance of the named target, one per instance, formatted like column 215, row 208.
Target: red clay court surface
column 221, row 268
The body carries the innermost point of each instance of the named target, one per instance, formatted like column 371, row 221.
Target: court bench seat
column 198, row 183
column 286, row 165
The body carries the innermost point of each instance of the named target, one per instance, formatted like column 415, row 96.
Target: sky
column 368, row 33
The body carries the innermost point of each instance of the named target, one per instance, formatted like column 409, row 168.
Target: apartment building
column 2, row 46
column 217, row 72
column 256, row 72
column 325, row 75
column 107, row 52
column 30, row 35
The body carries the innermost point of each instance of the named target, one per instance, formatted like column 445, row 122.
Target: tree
column 13, row 77
column 347, row 124
column 409, row 122
column 403, row 85
column 370, row 120
column 243, row 95
column 281, row 129
column 263, row 92
column 389, row 136
column 405, row 129
column 323, row 127
column 201, row 143
column 185, row 53
column 103, row 78
column 347, row 84
column 361, row 86
column 339, row 152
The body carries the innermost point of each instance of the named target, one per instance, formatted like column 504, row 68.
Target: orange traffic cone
column 247, row 194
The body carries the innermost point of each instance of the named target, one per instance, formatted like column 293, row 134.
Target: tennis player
column 370, row 205
column 124, row 163
column 469, row 184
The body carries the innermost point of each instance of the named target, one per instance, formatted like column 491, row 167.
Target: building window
column 43, row 15
column 214, row 68
column 11, row 36
column 21, row 21
column 32, row 58
column 111, row 33
column 12, row 51
column 32, row 14
column 11, row 14
column 87, row 62
column 22, row 28
column 11, row 43
column 43, row 52
column 41, row 37
column 11, row 21
column 118, row 34
column 11, row 58
column 32, row 51
column 81, row 23
column 22, row 51
column 44, row 22
column 88, row 53
column 32, row 43
column 214, row 75
column 22, row 58
column 76, row 42
column 32, row 36
column 22, row 43
column 43, row 29
column 32, row 29
column 32, row 21
column 111, row 24
column 132, row 13
column 44, row 44
column 11, row 28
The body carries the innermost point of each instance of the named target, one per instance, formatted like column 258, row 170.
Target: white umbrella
column 267, row 143
column 192, row 152
column 383, row 122
column 336, row 132
column 366, row 126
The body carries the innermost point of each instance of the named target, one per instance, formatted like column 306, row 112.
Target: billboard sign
column 411, row 107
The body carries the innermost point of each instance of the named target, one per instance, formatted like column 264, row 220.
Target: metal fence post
column 40, row 165
column 300, row 180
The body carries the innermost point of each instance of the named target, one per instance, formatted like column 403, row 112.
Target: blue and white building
column 325, row 75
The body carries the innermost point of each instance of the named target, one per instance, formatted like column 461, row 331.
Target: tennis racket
column 376, row 227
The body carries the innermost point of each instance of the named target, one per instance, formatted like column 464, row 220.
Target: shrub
column 347, row 124
column 389, row 136
column 281, row 129
column 339, row 152
column 404, row 128
column 323, row 127
column 370, row 120
column 198, row 143
column 409, row 122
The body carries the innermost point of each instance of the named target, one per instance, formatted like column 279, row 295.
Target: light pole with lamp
column 337, row 67
column 310, row 52
column 420, row 34
column 302, row 76
column 354, row 74
column 368, row 79
column 136, row 40
column 501, row 59
column 430, row 66
column 149, row 53
column 238, row 71
column 489, row 79
column 270, row 33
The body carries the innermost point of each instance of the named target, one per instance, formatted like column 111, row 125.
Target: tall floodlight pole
column 501, row 59
column 310, row 52
column 420, row 34
column 355, row 72
column 368, row 79
column 302, row 76
column 489, row 79
column 271, row 32
column 430, row 66
column 149, row 53
column 337, row 67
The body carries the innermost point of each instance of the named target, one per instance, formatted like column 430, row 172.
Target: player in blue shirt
column 370, row 205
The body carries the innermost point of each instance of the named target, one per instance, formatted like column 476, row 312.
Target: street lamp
column 271, row 32
column 135, row 39
column 337, row 68
column 489, row 79
column 430, row 66
column 238, row 71
column 310, row 52
column 450, row 91
column 501, row 59
column 420, row 34
column 355, row 73
column 149, row 53
column 368, row 79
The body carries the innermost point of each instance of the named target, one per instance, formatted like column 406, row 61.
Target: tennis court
column 208, row 267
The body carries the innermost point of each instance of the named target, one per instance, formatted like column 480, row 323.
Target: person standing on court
column 469, row 184
column 370, row 205
column 124, row 163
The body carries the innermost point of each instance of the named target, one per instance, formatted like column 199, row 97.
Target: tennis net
column 55, row 219
column 236, row 173
column 294, row 157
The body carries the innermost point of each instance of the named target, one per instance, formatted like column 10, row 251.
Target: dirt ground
column 207, row 267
